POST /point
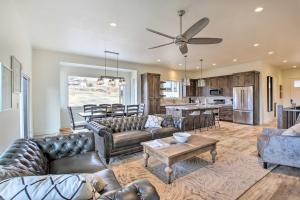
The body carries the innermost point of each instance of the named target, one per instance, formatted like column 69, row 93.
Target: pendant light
column 201, row 81
column 110, row 80
column 185, row 81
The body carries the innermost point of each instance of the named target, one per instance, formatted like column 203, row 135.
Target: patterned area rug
column 198, row 178
column 236, row 169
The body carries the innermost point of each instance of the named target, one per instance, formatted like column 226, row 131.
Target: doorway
column 25, row 109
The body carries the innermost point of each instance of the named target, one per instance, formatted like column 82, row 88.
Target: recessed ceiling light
column 294, row 66
column 284, row 61
column 271, row 52
column 259, row 9
column 256, row 45
column 113, row 24
column 234, row 60
column 214, row 64
column 180, row 64
column 158, row 60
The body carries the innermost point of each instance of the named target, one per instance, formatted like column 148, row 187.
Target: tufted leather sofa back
column 124, row 124
column 61, row 146
column 25, row 154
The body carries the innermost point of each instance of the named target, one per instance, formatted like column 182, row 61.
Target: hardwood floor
column 281, row 183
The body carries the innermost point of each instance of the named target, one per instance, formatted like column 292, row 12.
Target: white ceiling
column 82, row 27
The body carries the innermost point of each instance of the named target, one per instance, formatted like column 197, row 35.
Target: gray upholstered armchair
column 273, row 147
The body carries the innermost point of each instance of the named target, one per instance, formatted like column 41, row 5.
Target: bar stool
column 194, row 115
column 208, row 118
column 217, row 117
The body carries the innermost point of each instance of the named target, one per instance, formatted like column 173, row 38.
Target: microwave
column 216, row 92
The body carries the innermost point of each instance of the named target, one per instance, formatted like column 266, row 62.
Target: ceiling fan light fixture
column 186, row 81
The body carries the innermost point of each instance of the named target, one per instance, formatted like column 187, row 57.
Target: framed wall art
column 16, row 67
column 6, row 88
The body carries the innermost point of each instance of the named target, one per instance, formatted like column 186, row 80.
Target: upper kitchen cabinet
column 214, row 82
column 244, row 79
column 224, row 82
column 190, row 91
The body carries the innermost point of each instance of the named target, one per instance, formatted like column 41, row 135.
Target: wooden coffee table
column 179, row 151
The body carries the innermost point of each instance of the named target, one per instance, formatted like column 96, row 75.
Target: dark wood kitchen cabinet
column 244, row 79
column 214, row 83
column 226, row 113
column 150, row 92
column 190, row 91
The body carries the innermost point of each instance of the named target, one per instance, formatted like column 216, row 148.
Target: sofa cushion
column 162, row 132
column 61, row 146
column 108, row 176
column 128, row 138
column 124, row 124
column 82, row 163
column 293, row 131
column 48, row 187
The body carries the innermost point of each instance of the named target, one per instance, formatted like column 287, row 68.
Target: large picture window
column 85, row 90
column 171, row 88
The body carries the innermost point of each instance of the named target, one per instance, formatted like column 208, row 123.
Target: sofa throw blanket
column 48, row 187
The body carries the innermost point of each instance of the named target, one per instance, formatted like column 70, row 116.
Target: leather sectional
column 116, row 136
column 64, row 154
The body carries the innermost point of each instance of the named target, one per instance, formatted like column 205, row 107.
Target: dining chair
column 117, row 110
column 98, row 112
column 88, row 107
column 141, row 109
column 75, row 125
column 132, row 110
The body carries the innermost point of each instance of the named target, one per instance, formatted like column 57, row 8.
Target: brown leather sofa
column 74, row 153
column 116, row 136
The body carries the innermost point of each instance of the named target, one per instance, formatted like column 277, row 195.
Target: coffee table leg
column 169, row 171
column 213, row 154
column 146, row 157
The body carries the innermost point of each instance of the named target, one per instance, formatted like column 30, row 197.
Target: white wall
column 46, row 84
column 13, row 41
column 264, row 69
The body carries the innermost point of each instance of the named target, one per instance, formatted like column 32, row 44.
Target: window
column 171, row 88
column 85, row 90
column 297, row 83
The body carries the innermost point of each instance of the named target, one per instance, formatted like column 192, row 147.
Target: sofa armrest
column 137, row 190
column 272, row 131
column 180, row 123
column 103, row 139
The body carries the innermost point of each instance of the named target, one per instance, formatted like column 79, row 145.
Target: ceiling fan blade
column 183, row 48
column 205, row 40
column 159, row 33
column 161, row 45
column 196, row 28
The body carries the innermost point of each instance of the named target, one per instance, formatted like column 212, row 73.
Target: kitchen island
column 186, row 110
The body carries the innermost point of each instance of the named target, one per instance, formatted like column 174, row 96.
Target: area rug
column 198, row 178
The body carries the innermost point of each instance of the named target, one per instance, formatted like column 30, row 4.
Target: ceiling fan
column 187, row 37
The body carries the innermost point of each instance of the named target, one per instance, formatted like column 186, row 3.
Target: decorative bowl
column 181, row 137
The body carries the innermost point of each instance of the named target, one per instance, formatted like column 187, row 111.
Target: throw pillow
column 48, row 187
column 96, row 180
column 153, row 121
column 292, row 131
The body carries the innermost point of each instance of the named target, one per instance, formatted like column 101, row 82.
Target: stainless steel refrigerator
column 243, row 105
